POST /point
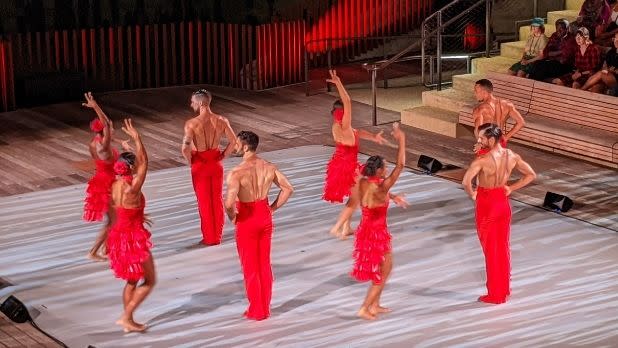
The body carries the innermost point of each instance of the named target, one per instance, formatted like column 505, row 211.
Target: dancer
column 98, row 189
column 128, row 243
column 200, row 147
column 343, row 170
column 372, row 247
column 494, row 110
column 247, row 206
column 493, row 212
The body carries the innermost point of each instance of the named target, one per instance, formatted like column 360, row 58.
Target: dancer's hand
column 90, row 102
column 397, row 133
column 477, row 147
column 507, row 190
column 400, row 200
column 333, row 77
column 129, row 129
column 126, row 146
column 378, row 138
column 473, row 195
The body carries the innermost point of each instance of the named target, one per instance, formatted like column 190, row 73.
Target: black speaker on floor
column 429, row 165
column 557, row 202
column 15, row 310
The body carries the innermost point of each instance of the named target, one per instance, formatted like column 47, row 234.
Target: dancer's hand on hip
column 507, row 190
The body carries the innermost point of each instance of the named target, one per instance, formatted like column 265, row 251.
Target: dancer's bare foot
column 346, row 231
column 379, row 310
column 96, row 257
column 130, row 325
column 365, row 314
column 334, row 231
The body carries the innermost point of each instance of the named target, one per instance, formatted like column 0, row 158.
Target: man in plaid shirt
column 587, row 61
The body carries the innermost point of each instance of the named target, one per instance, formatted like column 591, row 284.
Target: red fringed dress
column 128, row 243
column 373, row 241
column 99, row 188
column 341, row 172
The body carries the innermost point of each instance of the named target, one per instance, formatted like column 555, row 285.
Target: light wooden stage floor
column 564, row 279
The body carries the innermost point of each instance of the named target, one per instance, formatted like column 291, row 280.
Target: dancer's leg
column 386, row 267
column 139, row 294
column 101, row 238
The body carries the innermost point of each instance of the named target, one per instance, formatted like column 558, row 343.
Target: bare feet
column 346, row 231
column 333, row 231
column 375, row 310
column 130, row 326
column 365, row 314
column 96, row 257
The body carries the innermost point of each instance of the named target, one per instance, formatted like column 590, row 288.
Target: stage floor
column 564, row 279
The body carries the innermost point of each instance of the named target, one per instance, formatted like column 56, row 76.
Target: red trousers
column 207, row 175
column 493, row 223
column 254, row 230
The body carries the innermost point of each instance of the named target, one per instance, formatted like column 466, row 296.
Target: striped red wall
column 7, row 85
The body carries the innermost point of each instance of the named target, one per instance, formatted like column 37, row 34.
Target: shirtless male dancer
column 200, row 147
column 247, row 206
column 493, row 211
column 494, row 110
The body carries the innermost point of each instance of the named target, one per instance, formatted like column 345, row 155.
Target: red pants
column 254, row 229
column 207, row 174
column 493, row 223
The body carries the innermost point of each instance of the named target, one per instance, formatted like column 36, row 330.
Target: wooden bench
column 560, row 119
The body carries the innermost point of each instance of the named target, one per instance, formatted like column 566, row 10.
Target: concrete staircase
column 439, row 112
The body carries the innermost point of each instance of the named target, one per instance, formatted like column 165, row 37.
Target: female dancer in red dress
column 342, row 170
column 97, row 193
column 128, row 243
column 372, row 247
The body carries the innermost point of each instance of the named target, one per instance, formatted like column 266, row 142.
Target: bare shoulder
column 222, row 119
column 190, row 123
column 482, row 107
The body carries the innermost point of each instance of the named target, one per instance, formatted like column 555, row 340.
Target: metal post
column 374, row 75
column 384, row 79
column 432, row 77
column 439, row 51
column 330, row 62
column 423, row 53
column 535, row 10
column 307, row 72
column 488, row 26
column 469, row 64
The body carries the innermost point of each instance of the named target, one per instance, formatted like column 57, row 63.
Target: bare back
column 123, row 197
column 372, row 194
column 496, row 168
column 343, row 136
column 255, row 178
column 207, row 131
column 494, row 111
column 98, row 151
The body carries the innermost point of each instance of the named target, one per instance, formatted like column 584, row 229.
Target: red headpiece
column 338, row 115
column 96, row 125
column 122, row 168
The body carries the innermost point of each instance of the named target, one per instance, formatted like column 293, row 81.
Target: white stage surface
column 564, row 278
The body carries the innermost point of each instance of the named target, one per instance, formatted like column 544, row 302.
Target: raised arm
column 519, row 121
column 286, row 190
column 187, row 141
column 346, row 123
column 141, row 158
column 474, row 170
column 401, row 157
column 231, row 139
column 233, row 186
column 375, row 137
column 107, row 123
column 528, row 175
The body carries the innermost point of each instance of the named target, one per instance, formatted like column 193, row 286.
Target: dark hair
column 563, row 23
column 338, row 104
column 485, row 84
column 127, row 157
column 491, row 130
column 372, row 165
column 250, row 139
column 203, row 94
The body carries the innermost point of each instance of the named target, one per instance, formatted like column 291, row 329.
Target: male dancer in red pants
column 247, row 206
column 493, row 212
column 200, row 147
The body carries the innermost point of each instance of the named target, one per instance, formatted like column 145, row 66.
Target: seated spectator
column 606, row 38
column 559, row 54
column 594, row 15
column 606, row 78
column 587, row 61
column 533, row 51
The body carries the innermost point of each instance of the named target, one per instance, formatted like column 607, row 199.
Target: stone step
column 498, row 64
column 524, row 31
column 569, row 15
column 434, row 120
column 574, row 5
column 466, row 82
column 514, row 49
column 448, row 99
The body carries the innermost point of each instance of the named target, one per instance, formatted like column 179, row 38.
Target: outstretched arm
column 107, row 123
column 473, row 171
column 286, row 190
column 519, row 122
column 231, row 139
column 401, row 157
column 141, row 158
column 346, row 123
column 233, row 186
column 375, row 137
column 187, row 140
column 528, row 175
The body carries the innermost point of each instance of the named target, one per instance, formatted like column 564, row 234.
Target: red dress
column 341, row 172
column 373, row 241
column 99, row 188
column 128, row 243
